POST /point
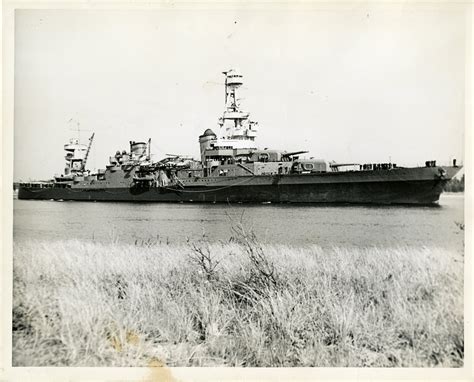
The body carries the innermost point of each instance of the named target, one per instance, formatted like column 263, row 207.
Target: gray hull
column 421, row 186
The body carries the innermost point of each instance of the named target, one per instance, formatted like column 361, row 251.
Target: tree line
column 455, row 185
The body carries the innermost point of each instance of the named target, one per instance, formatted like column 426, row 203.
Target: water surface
column 345, row 226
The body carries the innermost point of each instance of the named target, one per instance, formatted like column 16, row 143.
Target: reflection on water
column 283, row 224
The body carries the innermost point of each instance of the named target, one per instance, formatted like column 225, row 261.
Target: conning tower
column 206, row 140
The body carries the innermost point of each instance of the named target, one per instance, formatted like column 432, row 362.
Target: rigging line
column 159, row 149
column 213, row 190
column 174, row 189
column 37, row 191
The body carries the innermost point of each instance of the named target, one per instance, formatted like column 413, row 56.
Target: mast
column 225, row 88
column 87, row 152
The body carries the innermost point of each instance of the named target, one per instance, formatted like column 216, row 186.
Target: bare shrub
column 202, row 256
column 263, row 271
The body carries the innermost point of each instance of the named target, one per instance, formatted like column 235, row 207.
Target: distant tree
column 455, row 185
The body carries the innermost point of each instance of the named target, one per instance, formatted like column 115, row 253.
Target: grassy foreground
column 235, row 304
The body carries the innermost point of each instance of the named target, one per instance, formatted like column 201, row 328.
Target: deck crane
column 87, row 152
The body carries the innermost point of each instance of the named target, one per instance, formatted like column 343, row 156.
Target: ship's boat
column 233, row 169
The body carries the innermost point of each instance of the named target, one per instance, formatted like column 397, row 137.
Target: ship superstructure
column 236, row 129
column 236, row 132
column 76, row 159
column 233, row 169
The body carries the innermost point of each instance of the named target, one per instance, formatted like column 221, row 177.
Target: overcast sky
column 353, row 84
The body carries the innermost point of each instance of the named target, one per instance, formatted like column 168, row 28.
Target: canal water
column 341, row 226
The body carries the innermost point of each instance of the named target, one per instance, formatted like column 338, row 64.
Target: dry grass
column 235, row 304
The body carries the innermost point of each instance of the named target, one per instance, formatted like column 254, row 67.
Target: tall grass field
column 235, row 304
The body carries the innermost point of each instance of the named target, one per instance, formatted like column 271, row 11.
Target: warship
column 232, row 169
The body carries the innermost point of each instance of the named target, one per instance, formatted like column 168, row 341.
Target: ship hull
column 419, row 186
